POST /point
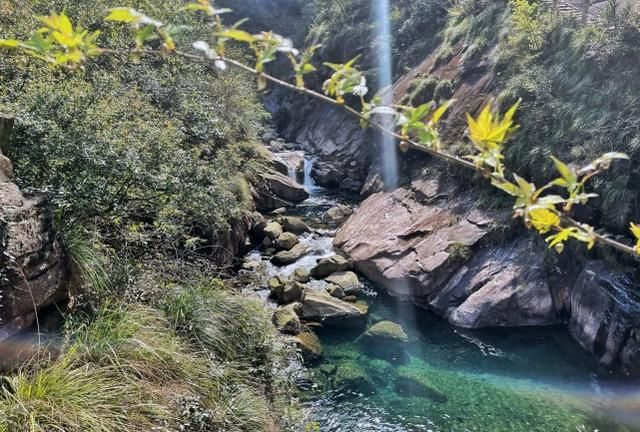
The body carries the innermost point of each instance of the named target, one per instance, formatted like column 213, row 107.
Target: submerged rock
column 409, row 383
column 348, row 281
column 284, row 258
column 286, row 241
column 352, row 375
column 319, row 306
column 286, row 319
column 330, row 265
column 385, row 340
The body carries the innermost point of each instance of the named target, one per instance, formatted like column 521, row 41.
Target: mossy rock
column 301, row 275
column 309, row 346
column 273, row 230
column 412, row 384
column 347, row 280
column 286, row 319
column 386, row 340
column 351, row 375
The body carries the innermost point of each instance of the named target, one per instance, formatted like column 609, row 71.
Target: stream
column 529, row 379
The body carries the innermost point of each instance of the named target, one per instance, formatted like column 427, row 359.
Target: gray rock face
column 33, row 268
column 605, row 316
column 501, row 286
column 342, row 151
column 321, row 307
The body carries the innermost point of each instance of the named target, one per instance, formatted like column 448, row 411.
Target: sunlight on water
column 385, row 76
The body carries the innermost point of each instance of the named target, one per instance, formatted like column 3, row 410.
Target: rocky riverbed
column 379, row 363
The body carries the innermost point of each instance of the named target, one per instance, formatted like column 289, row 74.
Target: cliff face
column 33, row 268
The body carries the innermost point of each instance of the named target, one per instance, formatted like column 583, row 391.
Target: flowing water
column 486, row 381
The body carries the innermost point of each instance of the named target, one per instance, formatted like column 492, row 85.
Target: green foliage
column 150, row 152
column 528, row 24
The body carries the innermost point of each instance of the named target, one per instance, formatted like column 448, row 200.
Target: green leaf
column 238, row 35
column 567, row 173
column 9, row 43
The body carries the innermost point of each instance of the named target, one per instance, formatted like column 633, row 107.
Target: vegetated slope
column 153, row 154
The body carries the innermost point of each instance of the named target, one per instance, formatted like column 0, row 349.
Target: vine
column 61, row 44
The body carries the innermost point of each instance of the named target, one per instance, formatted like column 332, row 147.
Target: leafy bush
column 152, row 153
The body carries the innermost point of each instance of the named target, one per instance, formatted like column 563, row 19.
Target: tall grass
column 65, row 396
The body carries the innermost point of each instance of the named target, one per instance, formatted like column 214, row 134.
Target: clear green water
column 515, row 380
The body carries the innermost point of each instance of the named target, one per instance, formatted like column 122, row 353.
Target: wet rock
column 352, row 376
column 320, row 307
column 284, row 258
column 630, row 356
column 309, row 346
column 286, row 319
column 348, row 281
column 294, row 225
column 252, row 266
column 605, row 313
column 327, row 266
column 301, row 275
column 269, row 136
column 267, row 243
column 286, row 241
column 338, row 214
column 277, row 283
column 273, row 230
column 409, row 383
column 386, row 340
column 294, row 160
column 350, row 299
column 362, row 306
column 335, row 291
column 270, row 251
column 292, row 292
column 328, row 369
column 258, row 224
column 279, row 211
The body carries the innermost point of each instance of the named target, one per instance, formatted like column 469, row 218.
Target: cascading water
column 308, row 182
column 385, row 74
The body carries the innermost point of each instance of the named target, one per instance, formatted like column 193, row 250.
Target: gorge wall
column 433, row 243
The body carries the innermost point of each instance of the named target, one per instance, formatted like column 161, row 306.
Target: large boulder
column 327, row 266
column 301, row 275
column 338, row 214
column 284, row 258
column 319, row 306
column 273, row 190
column 412, row 240
column 286, row 241
column 347, row 280
column 605, row 316
column 292, row 160
column 33, row 267
column 273, row 230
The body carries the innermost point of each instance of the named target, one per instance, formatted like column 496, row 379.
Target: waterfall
column 308, row 182
column 387, row 145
